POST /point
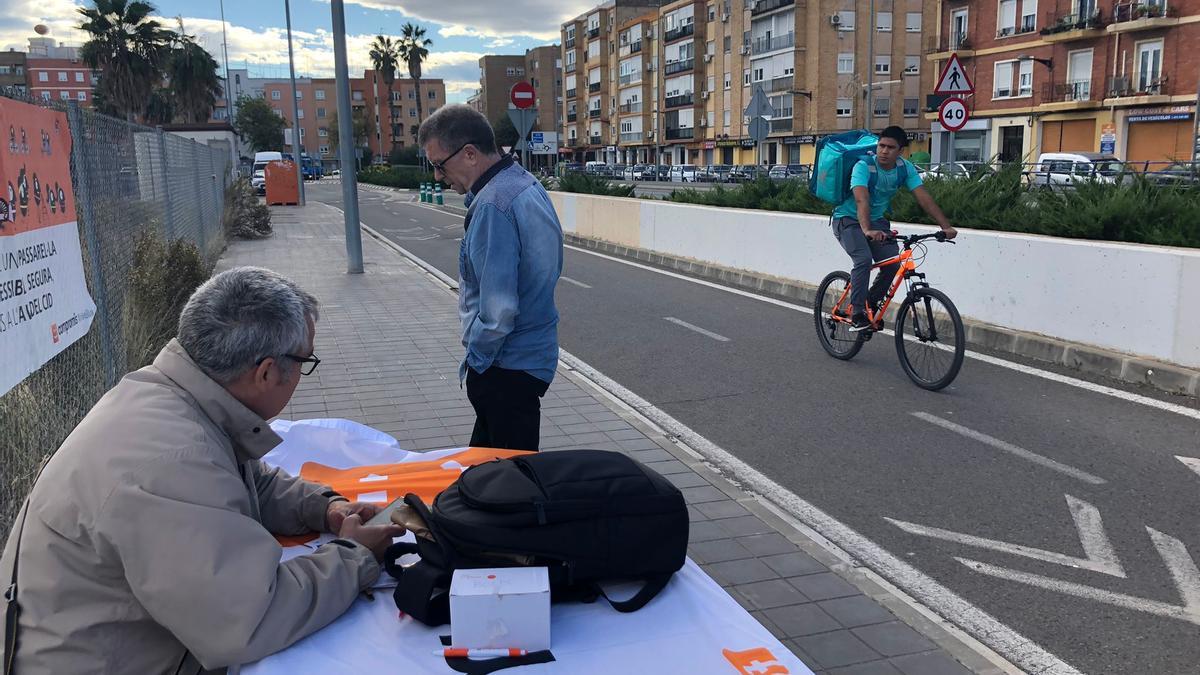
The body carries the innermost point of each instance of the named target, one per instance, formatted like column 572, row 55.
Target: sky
column 461, row 30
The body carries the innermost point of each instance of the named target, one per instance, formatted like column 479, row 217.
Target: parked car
column 705, row 174
column 595, row 168
column 720, row 172
column 957, row 170
column 615, row 171
column 1177, row 173
column 683, row 173
column 639, row 172
column 258, row 180
column 570, row 167
column 1064, row 169
column 746, row 172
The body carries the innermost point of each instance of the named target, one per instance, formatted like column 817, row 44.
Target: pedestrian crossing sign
column 954, row 79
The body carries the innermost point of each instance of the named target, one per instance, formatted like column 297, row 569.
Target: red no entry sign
column 522, row 95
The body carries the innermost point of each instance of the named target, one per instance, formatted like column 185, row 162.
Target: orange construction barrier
column 281, row 183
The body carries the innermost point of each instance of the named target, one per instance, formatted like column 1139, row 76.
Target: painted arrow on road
column 1191, row 463
column 1097, row 549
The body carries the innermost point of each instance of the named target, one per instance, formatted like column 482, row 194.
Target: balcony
column 681, row 100
column 679, row 66
column 635, row 47
column 679, row 32
column 765, row 6
column 777, row 84
column 594, row 114
column 571, row 93
column 631, row 107
column 593, row 32
column 1073, row 95
column 630, row 78
column 769, row 44
column 635, row 137
column 1126, row 91
column 680, row 134
column 939, row 49
column 1074, row 27
column 570, row 67
column 593, row 87
column 572, row 142
column 1141, row 15
column 571, row 116
column 596, row 140
column 782, row 124
column 569, row 43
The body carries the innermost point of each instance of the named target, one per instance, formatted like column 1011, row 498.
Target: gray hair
column 244, row 315
column 454, row 126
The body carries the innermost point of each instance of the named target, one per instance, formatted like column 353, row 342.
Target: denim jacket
column 508, row 265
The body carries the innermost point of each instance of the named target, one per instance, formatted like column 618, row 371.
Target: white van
column 683, row 173
column 1064, row 169
column 258, row 177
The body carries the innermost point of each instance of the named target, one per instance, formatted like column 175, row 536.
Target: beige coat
column 148, row 546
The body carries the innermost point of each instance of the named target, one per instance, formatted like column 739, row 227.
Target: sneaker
column 859, row 322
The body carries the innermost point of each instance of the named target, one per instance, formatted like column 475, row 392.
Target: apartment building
column 394, row 123
column 54, row 71
column 543, row 68
column 497, row 74
column 12, row 70
column 1072, row 75
column 686, row 71
column 540, row 67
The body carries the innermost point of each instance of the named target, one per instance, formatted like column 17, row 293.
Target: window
column 910, row 107
column 43, row 77
column 712, row 12
column 758, row 74
column 299, row 95
column 81, row 95
column 746, row 77
column 319, row 94
column 843, row 107
column 710, row 48
column 912, row 65
column 883, row 21
column 728, row 80
column 711, row 83
column 300, row 113
column 727, row 118
column 320, row 113
column 433, row 94
column 845, row 63
column 1028, row 16
column 846, row 20
column 45, row 94
column 79, row 77
column 324, row 149
column 412, row 112
column 912, row 22
column 62, row 77
column 1003, row 77
column 358, row 95
column 412, row 94
column 64, row 95
column 1149, row 65
column 275, row 96
column 1025, row 79
column 323, row 132
column 1007, row 24
column 883, row 107
column 883, row 65
column 728, row 43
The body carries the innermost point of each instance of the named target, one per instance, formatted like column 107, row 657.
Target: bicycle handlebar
column 911, row 239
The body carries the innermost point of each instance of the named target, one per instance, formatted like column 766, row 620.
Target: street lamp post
column 346, row 149
column 287, row 10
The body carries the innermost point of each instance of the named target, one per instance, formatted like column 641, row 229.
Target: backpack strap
column 422, row 592
column 652, row 586
column 873, row 173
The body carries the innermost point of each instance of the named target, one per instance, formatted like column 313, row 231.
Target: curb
column 1165, row 377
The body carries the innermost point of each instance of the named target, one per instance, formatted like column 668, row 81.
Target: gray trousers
column 864, row 252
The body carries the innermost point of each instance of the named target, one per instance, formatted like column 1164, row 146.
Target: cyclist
column 860, row 226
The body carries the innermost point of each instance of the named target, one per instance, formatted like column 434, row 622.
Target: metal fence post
column 83, row 171
column 168, row 210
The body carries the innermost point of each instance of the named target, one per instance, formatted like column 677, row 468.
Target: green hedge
column 394, row 177
column 1141, row 212
column 575, row 181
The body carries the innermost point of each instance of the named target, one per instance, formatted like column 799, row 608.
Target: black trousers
column 508, row 408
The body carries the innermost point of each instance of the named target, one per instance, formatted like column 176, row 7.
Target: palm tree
column 129, row 50
column 385, row 56
column 413, row 51
column 195, row 85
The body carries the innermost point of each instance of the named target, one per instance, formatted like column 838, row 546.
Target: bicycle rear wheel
column 835, row 336
column 930, row 339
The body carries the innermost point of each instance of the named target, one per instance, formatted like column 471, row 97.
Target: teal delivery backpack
column 836, row 156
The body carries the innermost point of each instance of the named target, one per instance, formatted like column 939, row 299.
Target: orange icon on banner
column 757, row 661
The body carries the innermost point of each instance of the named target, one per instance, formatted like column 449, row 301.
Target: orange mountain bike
column 930, row 339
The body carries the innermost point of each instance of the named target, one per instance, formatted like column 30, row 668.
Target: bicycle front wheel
column 835, row 336
column 930, row 339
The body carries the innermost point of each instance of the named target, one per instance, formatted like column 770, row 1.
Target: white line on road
column 990, row 360
column 569, row 280
column 1010, row 448
column 1191, row 463
column 1099, row 555
column 414, row 220
column 691, row 327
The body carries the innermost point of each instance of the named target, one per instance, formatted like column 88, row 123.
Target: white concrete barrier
column 1141, row 300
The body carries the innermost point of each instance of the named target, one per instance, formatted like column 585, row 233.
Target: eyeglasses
column 308, row 364
column 441, row 166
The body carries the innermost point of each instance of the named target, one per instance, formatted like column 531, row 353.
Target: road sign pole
column 346, row 149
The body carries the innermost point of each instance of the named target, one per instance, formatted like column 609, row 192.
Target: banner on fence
column 44, row 301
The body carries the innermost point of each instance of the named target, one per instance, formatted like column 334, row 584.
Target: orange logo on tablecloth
column 757, row 661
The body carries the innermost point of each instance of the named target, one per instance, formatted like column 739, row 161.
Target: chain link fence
column 129, row 181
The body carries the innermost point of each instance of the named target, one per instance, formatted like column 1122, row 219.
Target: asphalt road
column 1064, row 513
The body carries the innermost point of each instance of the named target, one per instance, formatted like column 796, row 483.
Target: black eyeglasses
column 308, row 364
column 441, row 166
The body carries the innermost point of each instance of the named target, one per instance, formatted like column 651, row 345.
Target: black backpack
column 587, row 515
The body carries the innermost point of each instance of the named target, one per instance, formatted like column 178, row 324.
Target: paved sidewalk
column 389, row 347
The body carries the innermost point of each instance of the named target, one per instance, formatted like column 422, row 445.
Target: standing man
column 863, row 231
column 508, row 264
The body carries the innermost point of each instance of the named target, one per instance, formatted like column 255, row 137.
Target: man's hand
column 337, row 512
column 875, row 235
column 375, row 537
column 949, row 231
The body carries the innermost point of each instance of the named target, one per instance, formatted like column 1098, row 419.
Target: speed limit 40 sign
column 953, row 115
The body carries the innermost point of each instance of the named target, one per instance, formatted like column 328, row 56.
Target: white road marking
column 1191, row 463
column 1010, row 448
column 569, row 280
column 691, row 327
column 1174, row 554
column 990, row 360
column 414, row 220
column 1098, row 550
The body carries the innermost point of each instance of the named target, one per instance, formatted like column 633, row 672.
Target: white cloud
column 18, row 17
column 539, row 19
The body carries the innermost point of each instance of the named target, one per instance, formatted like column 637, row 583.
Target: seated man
column 146, row 545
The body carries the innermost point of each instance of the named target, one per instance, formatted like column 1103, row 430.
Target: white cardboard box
column 500, row 608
